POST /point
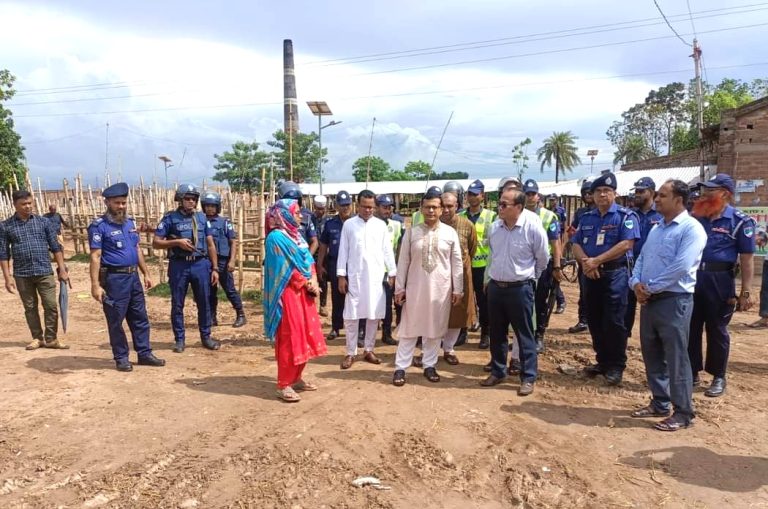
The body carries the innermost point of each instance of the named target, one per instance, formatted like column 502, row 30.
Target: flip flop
column 288, row 395
column 302, row 385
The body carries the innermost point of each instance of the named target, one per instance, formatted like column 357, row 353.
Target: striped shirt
column 28, row 243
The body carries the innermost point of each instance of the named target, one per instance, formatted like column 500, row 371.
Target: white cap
column 320, row 200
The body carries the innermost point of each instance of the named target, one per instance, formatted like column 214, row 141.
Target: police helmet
column 586, row 184
column 455, row 188
column 506, row 181
column 211, row 198
column 289, row 190
column 185, row 189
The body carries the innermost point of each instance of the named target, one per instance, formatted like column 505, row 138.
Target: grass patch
column 164, row 290
column 160, row 290
column 82, row 257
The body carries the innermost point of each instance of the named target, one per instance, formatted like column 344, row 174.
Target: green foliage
column 559, row 149
column 80, row 258
column 418, row 170
column 305, row 156
column 11, row 150
column 520, row 157
column 241, row 166
column 684, row 138
column 450, row 175
column 379, row 169
column 634, row 149
column 164, row 290
column 382, row 171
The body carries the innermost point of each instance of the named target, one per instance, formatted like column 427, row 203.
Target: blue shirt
column 307, row 226
column 671, row 256
column 561, row 216
column 728, row 235
column 579, row 214
column 647, row 221
column 597, row 234
column 178, row 225
column 118, row 242
column 55, row 219
column 332, row 236
column 28, row 242
column 222, row 231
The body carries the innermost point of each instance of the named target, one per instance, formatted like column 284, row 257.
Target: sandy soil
column 207, row 430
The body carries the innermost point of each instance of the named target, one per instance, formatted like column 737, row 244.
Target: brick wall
column 743, row 151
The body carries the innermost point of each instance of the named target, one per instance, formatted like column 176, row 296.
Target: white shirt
column 518, row 253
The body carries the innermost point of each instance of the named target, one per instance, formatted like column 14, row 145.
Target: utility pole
column 699, row 106
column 370, row 147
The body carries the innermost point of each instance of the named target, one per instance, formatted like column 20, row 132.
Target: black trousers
column 337, row 299
column 478, row 274
column 543, row 288
column 386, row 324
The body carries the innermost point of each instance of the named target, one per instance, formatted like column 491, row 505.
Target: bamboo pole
column 70, row 213
column 240, row 236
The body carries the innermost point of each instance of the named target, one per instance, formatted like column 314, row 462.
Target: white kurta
column 365, row 255
column 428, row 294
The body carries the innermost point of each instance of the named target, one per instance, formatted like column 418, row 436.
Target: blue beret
column 115, row 190
column 343, row 198
column 645, row 183
column 531, row 186
column 720, row 180
column 476, row 187
column 605, row 180
column 384, row 199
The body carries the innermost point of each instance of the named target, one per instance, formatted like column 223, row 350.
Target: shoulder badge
column 749, row 231
column 629, row 224
column 553, row 227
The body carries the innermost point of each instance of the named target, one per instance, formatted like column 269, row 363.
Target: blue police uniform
column 307, row 226
column 714, row 298
column 647, row 221
column 331, row 237
column 223, row 231
column 606, row 298
column 188, row 267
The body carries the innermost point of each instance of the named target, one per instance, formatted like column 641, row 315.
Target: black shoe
column 716, row 388
column 593, row 370
column 332, row 335
column 431, row 375
column 214, row 321
column 387, row 339
column 475, row 327
column 539, row 342
column 239, row 319
column 579, row 327
column 124, row 365
column 560, row 310
column 613, row 377
column 696, row 380
column 487, row 367
column 151, row 360
column 211, row 344
column 515, row 367
column 360, row 343
column 179, row 347
column 418, row 342
column 462, row 338
column 485, row 342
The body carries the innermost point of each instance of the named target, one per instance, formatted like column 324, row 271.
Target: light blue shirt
column 519, row 253
column 671, row 255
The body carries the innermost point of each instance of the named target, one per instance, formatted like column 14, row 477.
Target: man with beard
column 589, row 204
column 730, row 236
column 116, row 259
column 645, row 192
column 188, row 237
column 384, row 208
column 602, row 246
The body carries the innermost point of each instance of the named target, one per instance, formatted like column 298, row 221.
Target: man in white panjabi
column 365, row 253
column 430, row 280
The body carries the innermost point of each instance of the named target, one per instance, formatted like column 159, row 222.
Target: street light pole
column 321, row 109
column 166, row 160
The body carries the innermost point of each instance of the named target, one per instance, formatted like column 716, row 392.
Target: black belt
column 191, row 258
column 511, row 284
column 614, row 265
column 666, row 295
column 129, row 269
column 716, row 266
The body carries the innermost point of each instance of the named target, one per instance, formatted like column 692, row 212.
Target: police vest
column 221, row 227
column 417, row 218
column 547, row 218
column 395, row 229
column 482, row 225
column 180, row 226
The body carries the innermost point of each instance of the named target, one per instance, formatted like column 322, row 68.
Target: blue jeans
column 764, row 290
column 182, row 274
column 513, row 305
column 664, row 329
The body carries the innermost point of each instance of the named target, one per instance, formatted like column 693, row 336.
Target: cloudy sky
column 187, row 79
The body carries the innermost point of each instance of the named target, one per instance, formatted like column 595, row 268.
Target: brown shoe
column 35, row 344
column 451, row 359
column 56, row 345
column 526, row 388
column 347, row 362
column 417, row 361
column 371, row 357
column 492, row 380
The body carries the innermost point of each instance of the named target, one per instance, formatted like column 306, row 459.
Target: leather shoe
column 124, row 365
column 431, row 375
column 593, row 370
column 613, row 377
column 211, row 344
column 485, row 342
column 417, row 361
column 492, row 380
column 387, row 339
column 151, row 360
column 560, row 310
column 451, row 359
column 462, row 339
column 526, row 388
column 371, row 357
column 540, row 343
column 332, row 335
column 696, row 380
column 579, row 327
column 179, row 347
column 514, row 367
column 717, row 388
column 674, row 423
column 487, row 367
column 347, row 362
column 214, row 322
column 239, row 320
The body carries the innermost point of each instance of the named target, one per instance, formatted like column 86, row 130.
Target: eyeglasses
column 504, row 205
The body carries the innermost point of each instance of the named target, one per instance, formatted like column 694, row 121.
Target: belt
column 190, row 258
column 666, row 295
column 614, row 265
column 716, row 266
column 511, row 284
column 129, row 269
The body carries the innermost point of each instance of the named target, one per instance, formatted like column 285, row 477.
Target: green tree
column 667, row 107
column 241, row 166
column 520, row 157
column 11, row 150
column 559, row 149
column 305, row 156
column 450, row 175
column 633, row 149
column 639, row 120
column 380, row 169
column 418, row 170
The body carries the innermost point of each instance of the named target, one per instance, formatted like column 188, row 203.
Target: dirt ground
column 207, row 430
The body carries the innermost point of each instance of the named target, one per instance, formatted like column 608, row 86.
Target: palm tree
column 561, row 148
column 633, row 149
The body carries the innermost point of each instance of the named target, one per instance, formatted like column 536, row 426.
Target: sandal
column 431, row 375
column 302, row 385
column 648, row 411
column 760, row 324
column 288, row 395
column 398, row 380
column 673, row 423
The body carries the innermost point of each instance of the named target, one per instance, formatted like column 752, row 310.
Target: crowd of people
column 459, row 266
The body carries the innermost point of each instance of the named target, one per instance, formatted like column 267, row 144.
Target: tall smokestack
column 290, row 106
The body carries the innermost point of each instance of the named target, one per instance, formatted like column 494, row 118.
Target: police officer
column 319, row 217
column 730, row 237
column 553, row 204
column 602, row 245
column 225, row 238
column 384, row 208
column 188, row 237
column 482, row 218
column 645, row 192
column 553, row 272
column 327, row 256
column 115, row 261
column 456, row 188
column 509, row 183
column 589, row 204
column 291, row 191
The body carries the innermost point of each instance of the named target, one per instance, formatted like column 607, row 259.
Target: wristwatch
column 744, row 294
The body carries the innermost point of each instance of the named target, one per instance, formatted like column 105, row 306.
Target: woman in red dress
column 290, row 288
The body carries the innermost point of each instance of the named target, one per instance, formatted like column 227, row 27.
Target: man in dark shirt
column 55, row 218
column 27, row 238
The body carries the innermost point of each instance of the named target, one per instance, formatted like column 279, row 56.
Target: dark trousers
column 543, row 289
column 227, row 283
column 764, row 290
column 513, row 306
column 713, row 307
column 560, row 297
column 664, row 329
column 582, row 304
column 629, row 317
column 337, row 299
column 386, row 324
column 182, row 274
column 323, row 283
column 478, row 274
column 45, row 287
column 124, row 300
column 606, row 302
